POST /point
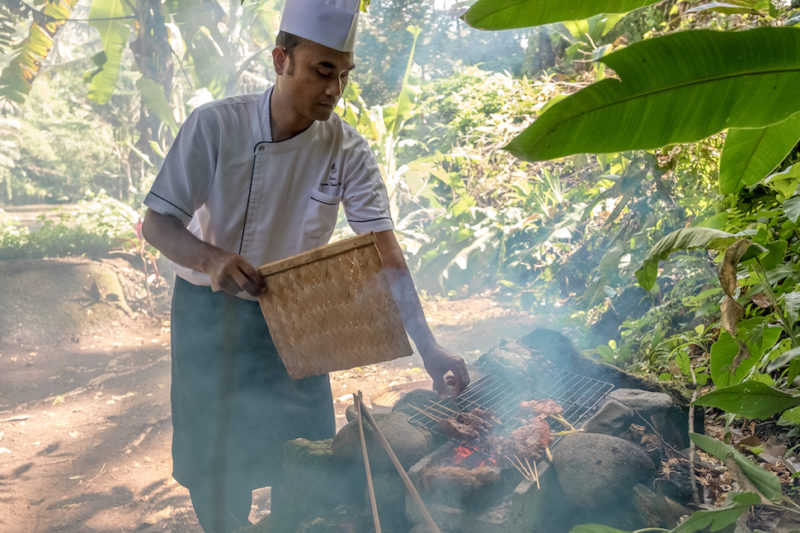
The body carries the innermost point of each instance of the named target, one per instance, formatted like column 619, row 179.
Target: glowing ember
column 461, row 453
column 463, row 456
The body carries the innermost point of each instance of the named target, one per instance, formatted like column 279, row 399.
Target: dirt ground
column 85, row 427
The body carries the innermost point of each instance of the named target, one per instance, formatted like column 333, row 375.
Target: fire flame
column 461, row 454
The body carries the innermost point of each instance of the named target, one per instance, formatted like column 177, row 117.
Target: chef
column 250, row 180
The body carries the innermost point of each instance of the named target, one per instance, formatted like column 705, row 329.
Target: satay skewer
column 447, row 412
column 566, row 432
column 533, row 470
column 443, row 407
column 519, row 468
column 426, row 413
column 526, row 472
column 561, row 420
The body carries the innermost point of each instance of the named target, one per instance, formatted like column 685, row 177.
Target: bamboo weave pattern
column 334, row 313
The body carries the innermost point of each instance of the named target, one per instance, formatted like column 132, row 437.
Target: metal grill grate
column 578, row 395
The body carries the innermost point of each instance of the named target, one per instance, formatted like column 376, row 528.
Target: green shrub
column 93, row 227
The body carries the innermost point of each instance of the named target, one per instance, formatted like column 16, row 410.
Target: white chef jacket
column 266, row 201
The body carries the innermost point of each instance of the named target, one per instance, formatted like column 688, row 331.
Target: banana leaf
column 18, row 76
column 681, row 87
column 751, row 154
column 682, row 239
column 113, row 19
column 507, row 14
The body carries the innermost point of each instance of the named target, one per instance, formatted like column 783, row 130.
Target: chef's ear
column 280, row 60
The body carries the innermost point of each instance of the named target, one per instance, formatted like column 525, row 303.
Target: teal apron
column 233, row 404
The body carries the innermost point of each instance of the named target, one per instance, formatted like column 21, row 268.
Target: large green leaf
column 730, row 360
column 505, row 14
column 154, row 98
column 682, row 239
column 791, row 415
column 750, row 399
column 678, row 88
column 111, row 20
column 765, row 482
column 17, row 77
column 405, row 100
column 751, row 154
column 718, row 519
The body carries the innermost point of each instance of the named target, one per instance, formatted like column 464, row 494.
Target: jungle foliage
column 679, row 87
column 649, row 181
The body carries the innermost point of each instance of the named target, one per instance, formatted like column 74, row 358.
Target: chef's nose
column 336, row 86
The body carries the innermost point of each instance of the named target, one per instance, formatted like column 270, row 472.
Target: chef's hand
column 446, row 369
column 231, row 273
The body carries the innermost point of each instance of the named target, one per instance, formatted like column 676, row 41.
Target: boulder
column 596, row 470
column 409, row 442
column 612, row 418
column 416, row 398
column 644, row 402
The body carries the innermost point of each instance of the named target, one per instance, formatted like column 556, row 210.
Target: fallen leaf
column 761, row 300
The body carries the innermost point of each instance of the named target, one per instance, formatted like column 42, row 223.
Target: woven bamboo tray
column 331, row 308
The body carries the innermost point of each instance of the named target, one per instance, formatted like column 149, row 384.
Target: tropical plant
column 93, row 227
column 683, row 87
column 383, row 125
column 18, row 76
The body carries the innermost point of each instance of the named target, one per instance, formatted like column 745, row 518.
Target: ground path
column 85, row 430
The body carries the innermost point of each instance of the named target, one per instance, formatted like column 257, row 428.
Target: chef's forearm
column 405, row 294
column 403, row 289
column 171, row 238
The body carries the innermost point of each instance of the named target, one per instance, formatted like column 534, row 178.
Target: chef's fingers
column 461, row 375
column 440, row 386
column 250, row 279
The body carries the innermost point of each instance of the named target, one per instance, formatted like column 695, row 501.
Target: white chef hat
column 331, row 23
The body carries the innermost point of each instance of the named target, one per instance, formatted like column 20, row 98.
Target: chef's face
column 315, row 77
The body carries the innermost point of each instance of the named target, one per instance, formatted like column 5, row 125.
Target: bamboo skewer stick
column 517, row 468
column 563, row 421
column 528, row 473
column 426, row 413
column 549, row 454
column 566, row 432
column 401, row 471
column 534, row 471
column 357, row 401
column 443, row 407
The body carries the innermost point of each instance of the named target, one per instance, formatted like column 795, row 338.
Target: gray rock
column 390, row 495
column 645, row 402
column 409, row 442
column 612, row 418
column 350, row 413
column 416, row 398
column 597, row 470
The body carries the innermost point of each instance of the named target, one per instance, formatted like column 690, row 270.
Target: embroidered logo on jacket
column 333, row 177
